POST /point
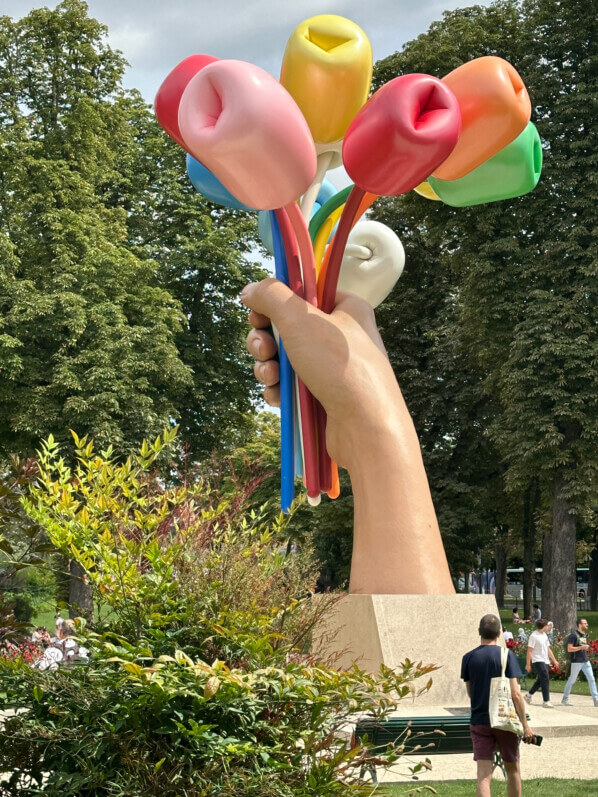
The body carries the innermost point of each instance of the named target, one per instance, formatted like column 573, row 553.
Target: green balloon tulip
column 513, row 171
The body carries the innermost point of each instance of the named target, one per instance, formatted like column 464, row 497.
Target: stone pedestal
column 371, row 630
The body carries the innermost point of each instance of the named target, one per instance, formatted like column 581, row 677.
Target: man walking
column 539, row 653
column 577, row 648
column 478, row 667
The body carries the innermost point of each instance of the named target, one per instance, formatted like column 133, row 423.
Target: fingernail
column 254, row 344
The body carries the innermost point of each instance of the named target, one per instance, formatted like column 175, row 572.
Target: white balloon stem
column 314, row 501
column 299, row 424
column 310, row 196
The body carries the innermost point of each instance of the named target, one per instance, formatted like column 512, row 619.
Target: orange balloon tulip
column 495, row 109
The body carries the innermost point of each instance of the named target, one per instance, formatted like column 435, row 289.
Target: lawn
column 546, row 787
column 46, row 618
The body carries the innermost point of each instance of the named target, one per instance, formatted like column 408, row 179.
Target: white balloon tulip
column 373, row 262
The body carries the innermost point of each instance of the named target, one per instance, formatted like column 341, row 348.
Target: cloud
column 154, row 35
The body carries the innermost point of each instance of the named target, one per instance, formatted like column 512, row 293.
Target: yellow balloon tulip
column 425, row 189
column 327, row 69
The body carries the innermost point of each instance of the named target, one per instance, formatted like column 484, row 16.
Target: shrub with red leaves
column 26, row 651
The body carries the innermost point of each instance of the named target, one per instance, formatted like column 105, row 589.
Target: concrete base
column 371, row 630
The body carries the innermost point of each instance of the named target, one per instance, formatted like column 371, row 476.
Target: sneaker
column 548, row 704
column 568, row 703
column 595, row 703
column 527, row 697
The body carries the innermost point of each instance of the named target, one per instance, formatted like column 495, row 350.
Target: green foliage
column 23, row 608
column 493, row 327
column 23, row 547
column 118, row 284
column 176, row 725
column 87, row 333
column 200, row 681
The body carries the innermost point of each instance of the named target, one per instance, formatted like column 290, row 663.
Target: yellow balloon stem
column 323, row 235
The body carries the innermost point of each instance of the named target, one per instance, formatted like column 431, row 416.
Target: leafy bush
column 23, row 545
column 200, row 680
column 23, row 607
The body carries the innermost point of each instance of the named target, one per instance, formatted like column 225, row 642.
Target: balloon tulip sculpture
column 255, row 143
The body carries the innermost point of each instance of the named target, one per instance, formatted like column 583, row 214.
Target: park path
column 569, row 748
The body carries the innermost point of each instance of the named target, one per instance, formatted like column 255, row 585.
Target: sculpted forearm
column 340, row 357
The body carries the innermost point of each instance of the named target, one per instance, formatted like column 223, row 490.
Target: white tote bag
column 501, row 709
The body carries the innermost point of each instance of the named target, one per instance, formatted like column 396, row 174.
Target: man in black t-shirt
column 577, row 648
column 479, row 666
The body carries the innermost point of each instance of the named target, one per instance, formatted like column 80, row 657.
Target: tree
column 118, row 286
column 105, row 327
column 524, row 271
column 88, row 336
column 203, row 255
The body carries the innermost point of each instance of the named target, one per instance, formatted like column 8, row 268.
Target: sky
column 154, row 35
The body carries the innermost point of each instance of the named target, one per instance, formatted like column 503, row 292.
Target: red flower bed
column 27, row 651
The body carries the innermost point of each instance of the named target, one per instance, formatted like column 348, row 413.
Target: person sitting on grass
column 41, row 636
column 63, row 649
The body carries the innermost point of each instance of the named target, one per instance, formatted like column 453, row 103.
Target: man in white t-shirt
column 539, row 653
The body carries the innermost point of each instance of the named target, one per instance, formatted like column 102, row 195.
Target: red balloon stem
column 338, row 248
column 306, row 400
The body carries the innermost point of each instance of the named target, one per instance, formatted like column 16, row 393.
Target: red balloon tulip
column 166, row 104
column 403, row 132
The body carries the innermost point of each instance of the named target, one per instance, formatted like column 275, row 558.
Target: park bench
column 522, row 661
column 444, row 735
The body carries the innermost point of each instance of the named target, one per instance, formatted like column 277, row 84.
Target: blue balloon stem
column 287, row 388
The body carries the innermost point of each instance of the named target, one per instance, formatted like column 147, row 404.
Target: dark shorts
column 486, row 739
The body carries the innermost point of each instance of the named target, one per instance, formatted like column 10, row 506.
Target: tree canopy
column 118, row 283
column 504, row 336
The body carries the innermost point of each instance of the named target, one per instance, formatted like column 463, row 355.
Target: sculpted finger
column 261, row 344
column 267, row 373
column 258, row 320
column 272, row 396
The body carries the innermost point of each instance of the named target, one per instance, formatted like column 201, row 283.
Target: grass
column 45, row 618
column 545, row 787
column 506, row 616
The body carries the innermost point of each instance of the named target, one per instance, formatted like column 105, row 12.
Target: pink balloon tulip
column 166, row 104
column 404, row 131
column 248, row 131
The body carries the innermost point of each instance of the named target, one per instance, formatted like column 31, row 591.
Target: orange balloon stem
column 335, row 490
